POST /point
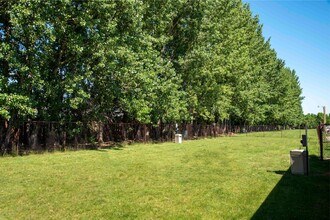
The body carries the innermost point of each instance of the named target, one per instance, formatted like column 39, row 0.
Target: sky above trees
column 300, row 34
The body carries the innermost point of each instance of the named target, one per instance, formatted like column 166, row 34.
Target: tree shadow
column 279, row 172
column 112, row 146
column 299, row 197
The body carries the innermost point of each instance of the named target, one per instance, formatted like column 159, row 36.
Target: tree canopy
column 146, row 61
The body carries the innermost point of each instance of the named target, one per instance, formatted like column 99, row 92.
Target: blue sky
column 300, row 34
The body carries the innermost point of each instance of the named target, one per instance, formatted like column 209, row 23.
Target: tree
column 146, row 61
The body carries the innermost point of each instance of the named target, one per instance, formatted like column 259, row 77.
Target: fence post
column 144, row 133
column 64, row 140
column 321, row 140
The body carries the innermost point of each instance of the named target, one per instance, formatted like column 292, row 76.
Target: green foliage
column 15, row 106
column 312, row 120
column 149, row 61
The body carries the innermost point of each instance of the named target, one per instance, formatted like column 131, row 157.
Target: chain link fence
column 323, row 131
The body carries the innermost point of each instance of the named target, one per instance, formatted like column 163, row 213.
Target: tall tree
column 149, row 61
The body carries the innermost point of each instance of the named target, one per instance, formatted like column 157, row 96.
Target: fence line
column 39, row 136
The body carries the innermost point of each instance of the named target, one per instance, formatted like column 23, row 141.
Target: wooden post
column 321, row 140
column 324, row 123
column 145, row 133
column 307, row 155
column 324, row 115
column 64, row 140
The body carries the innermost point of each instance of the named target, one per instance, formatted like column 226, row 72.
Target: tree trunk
column 15, row 142
column 6, row 143
column 100, row 134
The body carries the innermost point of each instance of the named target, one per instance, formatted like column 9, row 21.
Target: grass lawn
column 239, row 177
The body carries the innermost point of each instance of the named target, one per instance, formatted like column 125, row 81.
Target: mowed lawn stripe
column 222, row 178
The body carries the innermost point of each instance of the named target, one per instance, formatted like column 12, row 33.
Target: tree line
column 313, row 120
column 146, row 61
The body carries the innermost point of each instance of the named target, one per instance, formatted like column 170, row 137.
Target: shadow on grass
column 299, row 197
column 105, row 150
column 280, row 172
column 112, row 146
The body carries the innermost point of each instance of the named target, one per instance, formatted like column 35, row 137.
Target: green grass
column 240, row 177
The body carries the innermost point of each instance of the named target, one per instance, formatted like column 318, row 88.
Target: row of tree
column 313, row 120
column 145, row 61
